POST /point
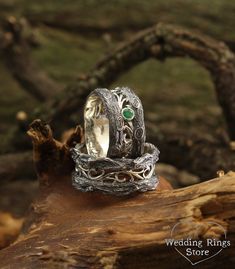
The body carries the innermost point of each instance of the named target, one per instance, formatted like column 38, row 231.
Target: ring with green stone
column 114, row 123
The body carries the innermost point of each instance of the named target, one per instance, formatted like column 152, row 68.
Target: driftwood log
column 70, row 229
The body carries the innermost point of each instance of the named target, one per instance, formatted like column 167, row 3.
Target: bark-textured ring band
column 120, row 176
column 114, row 123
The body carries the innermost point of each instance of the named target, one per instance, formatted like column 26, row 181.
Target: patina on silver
column 114, row 124
column 117, row 161
column 120, row 176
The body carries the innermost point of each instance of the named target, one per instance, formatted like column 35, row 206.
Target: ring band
column 114, row 123
column 118, row 177
column 118, row 161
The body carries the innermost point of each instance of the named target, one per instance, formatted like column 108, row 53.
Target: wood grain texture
column 77, row 230
column 70, row 229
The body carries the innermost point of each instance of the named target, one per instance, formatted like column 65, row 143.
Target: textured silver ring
column 120, row 176
column 114, row 123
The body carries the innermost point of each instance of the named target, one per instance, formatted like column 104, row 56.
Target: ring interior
column 96, row 127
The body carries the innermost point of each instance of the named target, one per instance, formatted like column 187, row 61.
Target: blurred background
column 69, row 37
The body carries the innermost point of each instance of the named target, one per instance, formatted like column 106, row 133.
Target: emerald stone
column 128, row 113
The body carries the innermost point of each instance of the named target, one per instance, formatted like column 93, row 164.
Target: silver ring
column 114, row 124
column 121, row 176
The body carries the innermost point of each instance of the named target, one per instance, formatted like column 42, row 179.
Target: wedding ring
column 117, row 161
column 115, row 176
column 114, row 124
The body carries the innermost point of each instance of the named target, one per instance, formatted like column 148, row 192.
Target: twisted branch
column 16, row 40
column 159, row 42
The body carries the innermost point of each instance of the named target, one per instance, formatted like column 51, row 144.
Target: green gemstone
column 128, row 113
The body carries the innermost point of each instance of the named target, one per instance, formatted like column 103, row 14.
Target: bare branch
column 15, row 41
column 160, row 42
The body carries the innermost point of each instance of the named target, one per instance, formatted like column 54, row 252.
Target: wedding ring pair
column 117, row 160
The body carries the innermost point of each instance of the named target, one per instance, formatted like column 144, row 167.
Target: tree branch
column 16, row 38
column 160, row 42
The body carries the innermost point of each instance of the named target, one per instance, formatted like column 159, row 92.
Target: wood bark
column 16, row 39
column 69, row 229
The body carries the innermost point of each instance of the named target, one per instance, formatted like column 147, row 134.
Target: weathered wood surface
column 70, row 229
column 75, row 230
